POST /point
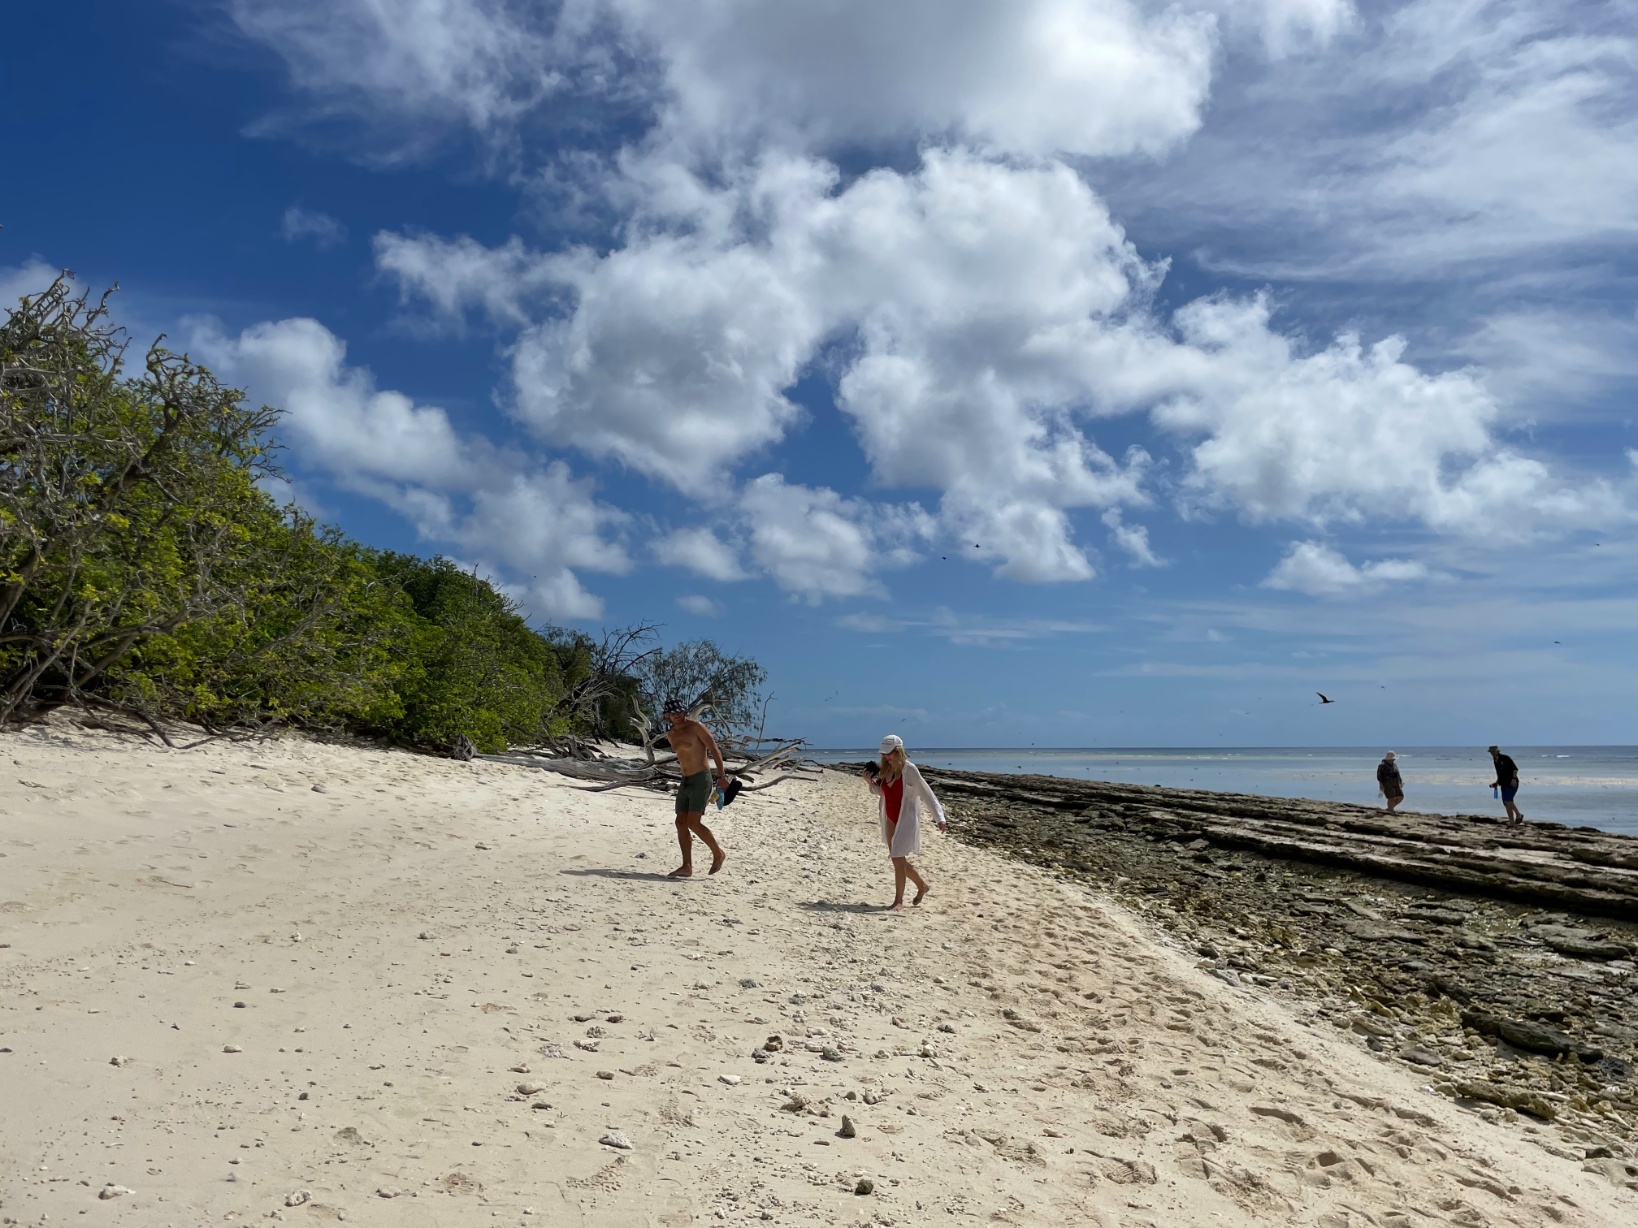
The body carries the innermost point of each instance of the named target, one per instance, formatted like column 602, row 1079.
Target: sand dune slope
column 306, row 983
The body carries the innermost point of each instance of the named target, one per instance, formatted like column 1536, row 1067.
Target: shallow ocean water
column 1594, row 786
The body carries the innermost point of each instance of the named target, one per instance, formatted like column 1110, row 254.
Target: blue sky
column 997, row 372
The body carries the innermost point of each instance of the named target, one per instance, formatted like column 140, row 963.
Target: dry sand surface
column 298, row 982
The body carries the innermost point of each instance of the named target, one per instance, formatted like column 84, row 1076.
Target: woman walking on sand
column 1388, row 781
column 904, row 795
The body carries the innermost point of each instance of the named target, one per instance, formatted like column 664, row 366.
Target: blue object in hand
column 1493, row 792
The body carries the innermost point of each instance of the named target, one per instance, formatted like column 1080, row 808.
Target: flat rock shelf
column 1498, row 960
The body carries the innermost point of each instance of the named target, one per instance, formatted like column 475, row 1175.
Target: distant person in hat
column 1507, row 780
column 1388, row 781
column 904, row 796
column 692, row 743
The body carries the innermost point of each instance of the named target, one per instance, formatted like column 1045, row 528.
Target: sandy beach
column 302, row 982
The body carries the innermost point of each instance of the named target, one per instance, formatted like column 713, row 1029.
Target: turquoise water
column 1595, row 786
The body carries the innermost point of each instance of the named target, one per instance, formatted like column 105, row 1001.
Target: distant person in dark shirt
column 1507, row 780
column 1388, row 781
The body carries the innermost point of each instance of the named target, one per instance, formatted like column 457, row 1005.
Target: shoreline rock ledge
column 1501, row 963
column 1581, row 869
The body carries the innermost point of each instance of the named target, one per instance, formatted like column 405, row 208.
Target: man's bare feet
column 922, row 894
column 896, row 906
column 716, row 862
column 682, row 872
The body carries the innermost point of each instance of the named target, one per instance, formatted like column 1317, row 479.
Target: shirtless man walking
column 692, row 742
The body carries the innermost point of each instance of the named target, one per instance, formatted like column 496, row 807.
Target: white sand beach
column 300, row 982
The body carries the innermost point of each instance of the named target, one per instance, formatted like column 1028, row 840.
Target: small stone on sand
column 617, row 1140
column 112, row 1191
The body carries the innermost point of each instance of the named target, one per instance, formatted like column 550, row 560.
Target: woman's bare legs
column 904, row 872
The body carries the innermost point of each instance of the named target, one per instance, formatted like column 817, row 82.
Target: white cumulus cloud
column 30, row 277
column 701, row 606
column 979, row 317
column 701, row 551
column 1322, row 571
column 816, row 544
column 533, row 519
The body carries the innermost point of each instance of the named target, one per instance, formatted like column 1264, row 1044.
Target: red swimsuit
column 893, row 795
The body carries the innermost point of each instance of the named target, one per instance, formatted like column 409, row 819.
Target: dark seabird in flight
column 1324, row 699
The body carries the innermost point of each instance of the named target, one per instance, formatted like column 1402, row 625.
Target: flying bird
column 1324, row 699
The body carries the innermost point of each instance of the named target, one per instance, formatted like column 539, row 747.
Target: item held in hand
column 729, row 794
column 872, row 770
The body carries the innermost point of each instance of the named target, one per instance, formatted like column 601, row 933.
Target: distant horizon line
column 1309, row 746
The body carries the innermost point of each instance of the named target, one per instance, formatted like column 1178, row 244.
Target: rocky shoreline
column 1497, row 961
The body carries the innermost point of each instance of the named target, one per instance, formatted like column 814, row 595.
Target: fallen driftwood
column 660, row 772
column 1580, row 869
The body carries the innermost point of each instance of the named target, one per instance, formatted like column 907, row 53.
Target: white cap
column 892, row 742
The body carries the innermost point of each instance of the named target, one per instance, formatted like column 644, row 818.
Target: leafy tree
column 144, row 568
column 316, row 641
column 124, row 501
column 474, row 668
column 698, row 672
column 602, row 695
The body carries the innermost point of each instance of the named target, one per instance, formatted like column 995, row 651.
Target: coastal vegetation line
column 147, row 574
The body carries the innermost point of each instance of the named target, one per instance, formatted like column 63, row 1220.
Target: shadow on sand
column 830, row 906
column 639, row 876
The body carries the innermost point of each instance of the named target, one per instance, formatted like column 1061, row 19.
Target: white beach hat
column 1390, row 755
column 891, row 743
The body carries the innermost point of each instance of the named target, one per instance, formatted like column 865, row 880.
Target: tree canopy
column 145, row 569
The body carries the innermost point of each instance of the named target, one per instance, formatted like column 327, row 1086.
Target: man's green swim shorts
column 693, row 793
